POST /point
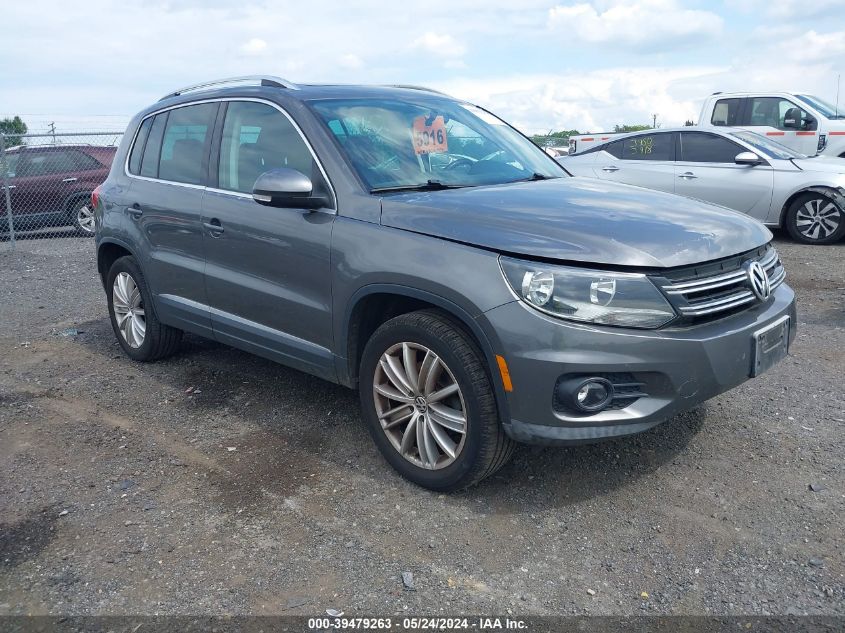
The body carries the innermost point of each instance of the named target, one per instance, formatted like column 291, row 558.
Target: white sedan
column 734, row 168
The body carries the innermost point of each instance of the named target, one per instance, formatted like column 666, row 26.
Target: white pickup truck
column 807, row 124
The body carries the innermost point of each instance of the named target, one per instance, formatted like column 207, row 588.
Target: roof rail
column 412, row 87
column 261, row 80
column 716, row 93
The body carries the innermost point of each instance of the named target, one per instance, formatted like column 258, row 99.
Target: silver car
column 734, row 168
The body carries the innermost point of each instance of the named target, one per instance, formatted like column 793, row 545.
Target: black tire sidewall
column 453, row 476
column 130, row 266
column 795, row 233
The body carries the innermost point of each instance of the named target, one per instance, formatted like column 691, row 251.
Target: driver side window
column 779, row 113
column 257, row 138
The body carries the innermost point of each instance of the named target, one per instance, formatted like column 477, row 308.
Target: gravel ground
column 217, row 482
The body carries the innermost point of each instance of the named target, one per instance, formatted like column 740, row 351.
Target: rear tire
column 815, row 219
column 137, row 328
column 82, row 217
column 445, row 358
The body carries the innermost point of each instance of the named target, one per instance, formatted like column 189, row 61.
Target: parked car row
column 51, row 186
column 419, row 249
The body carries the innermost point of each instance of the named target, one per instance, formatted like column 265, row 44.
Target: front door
column 783, row 121
column 706, row 170
column 268, row 276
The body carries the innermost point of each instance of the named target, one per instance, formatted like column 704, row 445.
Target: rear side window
column 697, row 147
column 83, row 162
column 183, row 148
column 258, row 138
column 648, row 147
column 726, row 112
column 152, row 149
column 614, row 149
column 138, row 147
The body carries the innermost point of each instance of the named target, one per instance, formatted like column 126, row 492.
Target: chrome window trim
column 238, row 194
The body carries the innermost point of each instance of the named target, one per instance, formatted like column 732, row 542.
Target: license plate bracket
column 769, row 345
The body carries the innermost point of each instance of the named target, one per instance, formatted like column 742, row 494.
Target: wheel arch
column 74, row 198
column 108, row 252
column 375, row 304
column 830, row 192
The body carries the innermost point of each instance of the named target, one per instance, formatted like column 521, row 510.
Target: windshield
column 765, row 146
column 827, row 109
column 433, row 143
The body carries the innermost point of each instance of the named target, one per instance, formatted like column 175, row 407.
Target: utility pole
column 654, row 121
column 53, row 131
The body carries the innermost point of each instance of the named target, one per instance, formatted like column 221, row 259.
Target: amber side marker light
column 506, row 375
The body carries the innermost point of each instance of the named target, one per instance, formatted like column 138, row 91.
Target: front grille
column 712, row 292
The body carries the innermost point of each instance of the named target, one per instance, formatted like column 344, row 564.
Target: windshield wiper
column 430, row 185
column 536, row 176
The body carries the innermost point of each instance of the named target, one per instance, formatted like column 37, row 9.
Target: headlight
column 591, row 296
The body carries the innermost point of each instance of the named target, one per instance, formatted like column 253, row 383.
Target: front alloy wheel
column 428, row 402
column 815, row 219
column 129, row 310
column 420, row 405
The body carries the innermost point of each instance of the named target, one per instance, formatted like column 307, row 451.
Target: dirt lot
column 217, row 482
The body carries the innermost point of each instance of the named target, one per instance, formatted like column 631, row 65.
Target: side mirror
column 792, row 118
column 287, row 189
column 748, row 158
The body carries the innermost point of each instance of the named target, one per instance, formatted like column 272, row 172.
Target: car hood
column 821, row 164
column 578, row 219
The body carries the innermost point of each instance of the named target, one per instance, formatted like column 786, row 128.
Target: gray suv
column 418, row 248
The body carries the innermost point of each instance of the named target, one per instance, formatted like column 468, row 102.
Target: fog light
column 588, row 395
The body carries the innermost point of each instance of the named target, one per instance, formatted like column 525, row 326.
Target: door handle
column 687, row 175
column 214, row 227
column 135, row 211
column 610, row 169
column 70, row 179
column 11, row 186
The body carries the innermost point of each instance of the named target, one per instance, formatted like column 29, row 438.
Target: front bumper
column 679, row 367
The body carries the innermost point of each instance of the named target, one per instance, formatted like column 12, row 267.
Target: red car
column 52, row 185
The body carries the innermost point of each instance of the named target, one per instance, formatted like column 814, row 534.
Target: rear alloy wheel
column 815, row 219
column 82, row 215
column 137, row 328
column 428, row 401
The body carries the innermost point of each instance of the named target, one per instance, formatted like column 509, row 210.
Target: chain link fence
column 47, row 181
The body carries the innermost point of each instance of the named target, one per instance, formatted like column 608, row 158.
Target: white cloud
column 646, row 24
column 791, row 10
column 441, row 45
column 254, row 46
column 351, row 61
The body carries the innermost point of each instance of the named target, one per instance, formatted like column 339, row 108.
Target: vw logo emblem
column 758, row 280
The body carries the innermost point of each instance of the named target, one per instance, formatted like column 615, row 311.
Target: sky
column 541, row 65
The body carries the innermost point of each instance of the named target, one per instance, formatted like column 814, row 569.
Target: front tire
column 428, row 402
column 82, row 217
column 815, row 219
column 137, row 328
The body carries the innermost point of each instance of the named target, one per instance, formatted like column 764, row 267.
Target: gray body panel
column 284, row 283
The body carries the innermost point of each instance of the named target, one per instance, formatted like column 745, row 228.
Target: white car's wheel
column 815, row 219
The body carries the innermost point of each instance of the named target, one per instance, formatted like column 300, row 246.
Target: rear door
column 784, row 121
column 644, row 160
column 42, row 183
column 169, row 168
column 706, row 170
column 268, row 273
